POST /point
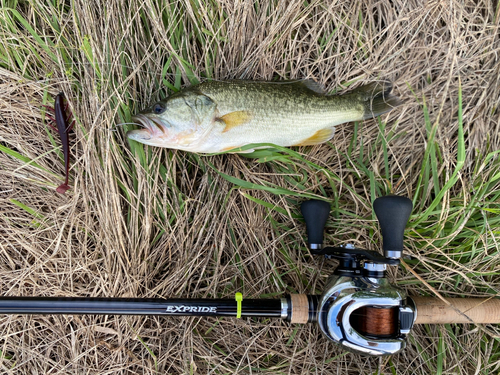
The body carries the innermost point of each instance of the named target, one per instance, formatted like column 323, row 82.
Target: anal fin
column 320, row 136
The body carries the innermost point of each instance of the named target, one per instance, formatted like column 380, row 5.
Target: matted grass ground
column 148, row 222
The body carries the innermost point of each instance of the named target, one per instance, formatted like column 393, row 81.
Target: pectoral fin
column 320, row 136
column 234, row 119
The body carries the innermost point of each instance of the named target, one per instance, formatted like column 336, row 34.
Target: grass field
column 151, row 222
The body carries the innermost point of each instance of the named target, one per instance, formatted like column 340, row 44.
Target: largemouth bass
column 217, row 116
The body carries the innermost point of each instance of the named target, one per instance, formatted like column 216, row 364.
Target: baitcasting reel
column 360, row 309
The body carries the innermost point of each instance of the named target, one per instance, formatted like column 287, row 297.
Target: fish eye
column 159, row 108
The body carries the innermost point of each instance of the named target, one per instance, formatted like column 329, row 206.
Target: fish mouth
column 150, row 128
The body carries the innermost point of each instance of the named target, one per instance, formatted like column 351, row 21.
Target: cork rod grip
column 474, row 310
column 300, row 309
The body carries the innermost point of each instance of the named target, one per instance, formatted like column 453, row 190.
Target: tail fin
column 377, row 99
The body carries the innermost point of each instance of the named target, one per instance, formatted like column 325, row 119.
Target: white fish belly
column 288, row 131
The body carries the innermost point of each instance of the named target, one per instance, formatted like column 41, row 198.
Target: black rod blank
column 139, row 306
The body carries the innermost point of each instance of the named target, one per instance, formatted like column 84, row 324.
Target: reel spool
column 359, row 308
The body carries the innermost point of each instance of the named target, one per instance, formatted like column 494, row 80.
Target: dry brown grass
column 106, row 236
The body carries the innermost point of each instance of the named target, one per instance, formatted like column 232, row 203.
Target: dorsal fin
column 311, row 85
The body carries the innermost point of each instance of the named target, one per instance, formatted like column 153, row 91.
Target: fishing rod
column 359, row 309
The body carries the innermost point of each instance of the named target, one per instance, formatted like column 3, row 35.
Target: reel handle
column 393, row 212
column 315, row 214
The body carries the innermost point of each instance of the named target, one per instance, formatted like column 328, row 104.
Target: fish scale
column 217, row 116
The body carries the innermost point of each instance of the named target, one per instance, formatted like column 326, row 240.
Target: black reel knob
column 393, row 212
column 315, row 214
